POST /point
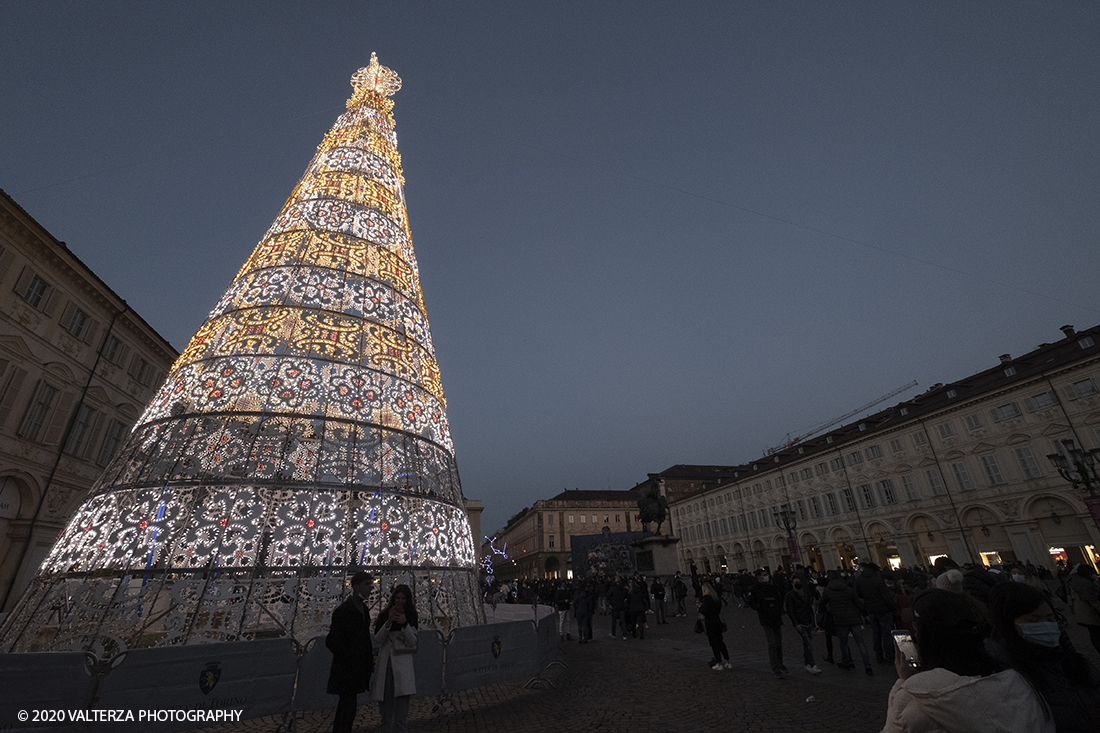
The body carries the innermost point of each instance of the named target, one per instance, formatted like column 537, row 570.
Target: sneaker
column 829, row 660
column 870, row 672
column 624, row 637
column 784, row 670
column 611, row 635
column 813, row 669
column 779, row 675
column 727, row 665
column 717, row 666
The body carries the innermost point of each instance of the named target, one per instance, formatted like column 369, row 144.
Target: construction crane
column 814, row 431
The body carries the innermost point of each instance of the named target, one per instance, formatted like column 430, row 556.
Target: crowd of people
column 974, row 648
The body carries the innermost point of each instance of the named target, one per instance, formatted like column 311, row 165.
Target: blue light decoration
column 487, row 561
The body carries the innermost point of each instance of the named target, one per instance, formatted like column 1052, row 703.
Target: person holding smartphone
column 957, row 686
column 394, row 681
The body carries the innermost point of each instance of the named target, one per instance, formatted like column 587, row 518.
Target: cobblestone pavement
column 660, row 683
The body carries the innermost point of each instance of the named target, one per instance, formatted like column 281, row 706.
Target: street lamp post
column 1080, row 470
column 784, row 516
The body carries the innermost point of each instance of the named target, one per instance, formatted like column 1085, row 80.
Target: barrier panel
column 547, row 640
column 480, row 655
column 256, row 677
column 314, row 667
column 55, row 681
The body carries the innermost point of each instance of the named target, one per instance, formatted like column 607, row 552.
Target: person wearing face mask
column 1027, row 637
column 799, row 606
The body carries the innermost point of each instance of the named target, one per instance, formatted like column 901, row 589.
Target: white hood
column 939, row 700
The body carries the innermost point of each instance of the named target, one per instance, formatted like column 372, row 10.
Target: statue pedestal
column 656, row 555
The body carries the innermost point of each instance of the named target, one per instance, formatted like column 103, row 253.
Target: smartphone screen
column 905, row 642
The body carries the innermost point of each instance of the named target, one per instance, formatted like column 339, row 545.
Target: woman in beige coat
column 394, row 680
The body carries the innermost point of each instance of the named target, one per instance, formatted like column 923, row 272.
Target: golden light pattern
column 301, row 435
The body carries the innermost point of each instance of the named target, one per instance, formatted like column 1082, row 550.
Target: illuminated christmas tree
column 301, row 436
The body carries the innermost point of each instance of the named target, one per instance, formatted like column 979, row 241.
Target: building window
column 617, row 520
column 141, row 370
column 725, row 526
column 802, row 510
column 945, row 429
column 793, row 477
column 848, row 499
column 867, row 496
column 952, row 394
column 582, row 518
column 837, row 463
column 830, row 504
column 1005, row 412
column 82, row 432
column 886, row 492
column 744, row 525
column 35, row 291
column 935, row 480
column 76, row 321
column 807, row 473
column 815, row 507
column 550, row 518
column 896, row 446
column 873, row 452
column 115, row 431
column 1010, row 371
column 1039, row 401
column 570, row 518
column 1085, row 342
column 780, row 482
column 973, row 422
column 606, row 519
column 550, row 541
column 910, row 486
column 905, row 411
column 856, row 458
column 752, row 520
column 763, row 518
column 920, row 438
column 38, row 411
column 992, row 470
column 1081, row 389
column 1027, row 462
column 821, row 469
column 962, row 476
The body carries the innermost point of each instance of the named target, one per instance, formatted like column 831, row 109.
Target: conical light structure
column 301, row 436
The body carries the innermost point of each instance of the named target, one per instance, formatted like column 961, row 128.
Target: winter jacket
column 939, row 701
column 638, row 600
column 877, row 598
column 799, row 607
column 841, row 600
column 616, row 597
column 768, row 602
column 1076, row 709
column 583, row 604
column 404, row 673
column 349, row 640
column 711, row 610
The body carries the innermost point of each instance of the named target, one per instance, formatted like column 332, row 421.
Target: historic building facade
column 77, row 367
column 961, row 469
column 538, row 540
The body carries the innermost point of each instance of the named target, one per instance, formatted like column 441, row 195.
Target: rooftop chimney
column 1068, row 331
column 1005, row 358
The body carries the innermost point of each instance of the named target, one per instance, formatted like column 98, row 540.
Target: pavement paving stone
column 658, row 684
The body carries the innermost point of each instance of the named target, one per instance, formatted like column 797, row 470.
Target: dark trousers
column 882, row 640
column 718, row 646
column 659, row 605
column 617, row 620
column 345, row 714
column 584, row 628
column 394, row 709
column 857, row 636
column 680, row 605
column 775, row 647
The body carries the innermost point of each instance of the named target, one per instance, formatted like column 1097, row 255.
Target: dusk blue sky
column 648, row 233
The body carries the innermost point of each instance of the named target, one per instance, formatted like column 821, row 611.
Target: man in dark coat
column 352, row 654
column 878, row 604
column 767, row 600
